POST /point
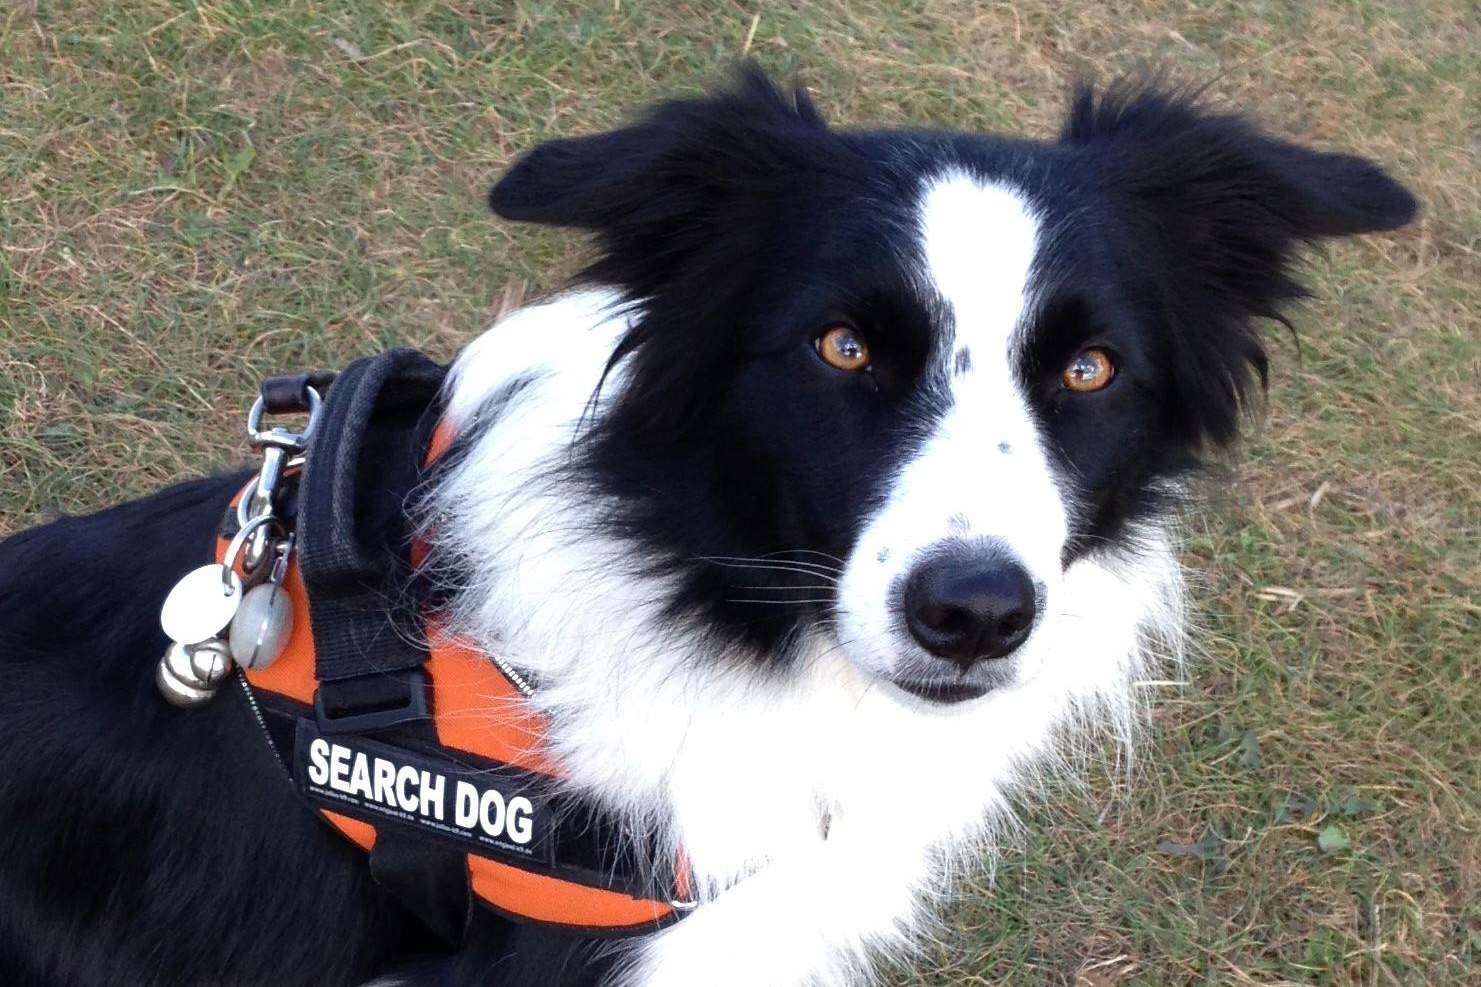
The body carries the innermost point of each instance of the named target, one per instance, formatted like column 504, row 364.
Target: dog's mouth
column 940, row 692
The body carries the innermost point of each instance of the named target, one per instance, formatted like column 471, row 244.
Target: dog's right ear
column 679, row 163
column 578, row 181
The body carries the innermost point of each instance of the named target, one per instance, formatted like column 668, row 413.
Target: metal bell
column 210, row 662
column 260, row 629
column 189, row 675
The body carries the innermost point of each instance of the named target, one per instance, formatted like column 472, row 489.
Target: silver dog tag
column 261, row 626
column 201, row 604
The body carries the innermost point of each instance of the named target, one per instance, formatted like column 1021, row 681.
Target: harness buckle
column 372, row 702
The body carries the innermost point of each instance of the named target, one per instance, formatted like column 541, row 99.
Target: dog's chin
column 951, row 692
column 940, row 693
column 924, row 684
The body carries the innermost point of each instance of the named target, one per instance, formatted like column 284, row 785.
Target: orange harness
column 484, row 728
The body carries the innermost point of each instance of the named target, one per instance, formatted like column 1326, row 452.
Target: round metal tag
column 261, row 627
column 201, row 605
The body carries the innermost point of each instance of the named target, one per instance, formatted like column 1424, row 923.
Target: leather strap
column 286, row 394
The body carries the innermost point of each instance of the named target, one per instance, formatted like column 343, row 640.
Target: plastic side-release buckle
column 372, row 702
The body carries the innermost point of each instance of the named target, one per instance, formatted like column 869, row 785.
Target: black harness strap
column 352, row 544
column 364, row 460
column 287, row 394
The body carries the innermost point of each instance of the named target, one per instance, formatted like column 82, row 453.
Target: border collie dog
column 835, row 497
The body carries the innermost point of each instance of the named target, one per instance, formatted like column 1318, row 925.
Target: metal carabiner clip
column 253, row 526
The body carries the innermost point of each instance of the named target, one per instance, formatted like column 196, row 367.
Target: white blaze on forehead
column 982, row 472
column 978, row 240
column 984, row 466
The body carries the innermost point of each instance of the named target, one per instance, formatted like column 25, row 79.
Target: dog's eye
column 841, row 347
column 1090, row 370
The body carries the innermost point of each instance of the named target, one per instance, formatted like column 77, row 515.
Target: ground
column 194, row 195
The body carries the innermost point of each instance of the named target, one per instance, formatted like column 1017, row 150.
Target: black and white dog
column 831, row 502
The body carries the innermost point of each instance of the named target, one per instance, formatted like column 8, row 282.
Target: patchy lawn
column 192, row 196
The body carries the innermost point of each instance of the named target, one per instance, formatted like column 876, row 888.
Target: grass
column 194, row 195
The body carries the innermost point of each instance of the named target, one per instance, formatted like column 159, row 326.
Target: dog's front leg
column 811, row 919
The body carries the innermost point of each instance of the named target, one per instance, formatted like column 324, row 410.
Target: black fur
column 746, row 225
column 144, row 845
column 155, row 847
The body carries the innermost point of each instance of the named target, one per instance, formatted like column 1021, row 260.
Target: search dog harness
column 410, row 742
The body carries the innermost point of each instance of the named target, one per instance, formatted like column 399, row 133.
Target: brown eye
column 841, row 347
column 1090, row 370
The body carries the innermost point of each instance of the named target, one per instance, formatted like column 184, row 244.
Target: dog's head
column 893, row 387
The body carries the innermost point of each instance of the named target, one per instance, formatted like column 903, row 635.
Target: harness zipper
column 262, row 722
column 513, row 676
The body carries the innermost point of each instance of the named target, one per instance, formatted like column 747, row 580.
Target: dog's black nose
column 967, row 610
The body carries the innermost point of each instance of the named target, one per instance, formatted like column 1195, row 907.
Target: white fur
column 983, row 471
column 746, row 771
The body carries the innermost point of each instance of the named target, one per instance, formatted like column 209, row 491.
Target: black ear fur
column 679, row 151
column 1343, row 193
column 561, row 182
column 1167, row 147
column 1221, row 210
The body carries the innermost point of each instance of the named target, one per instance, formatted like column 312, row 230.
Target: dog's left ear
column 1219, row 210
column 1337, row 194
column 1210, row 167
